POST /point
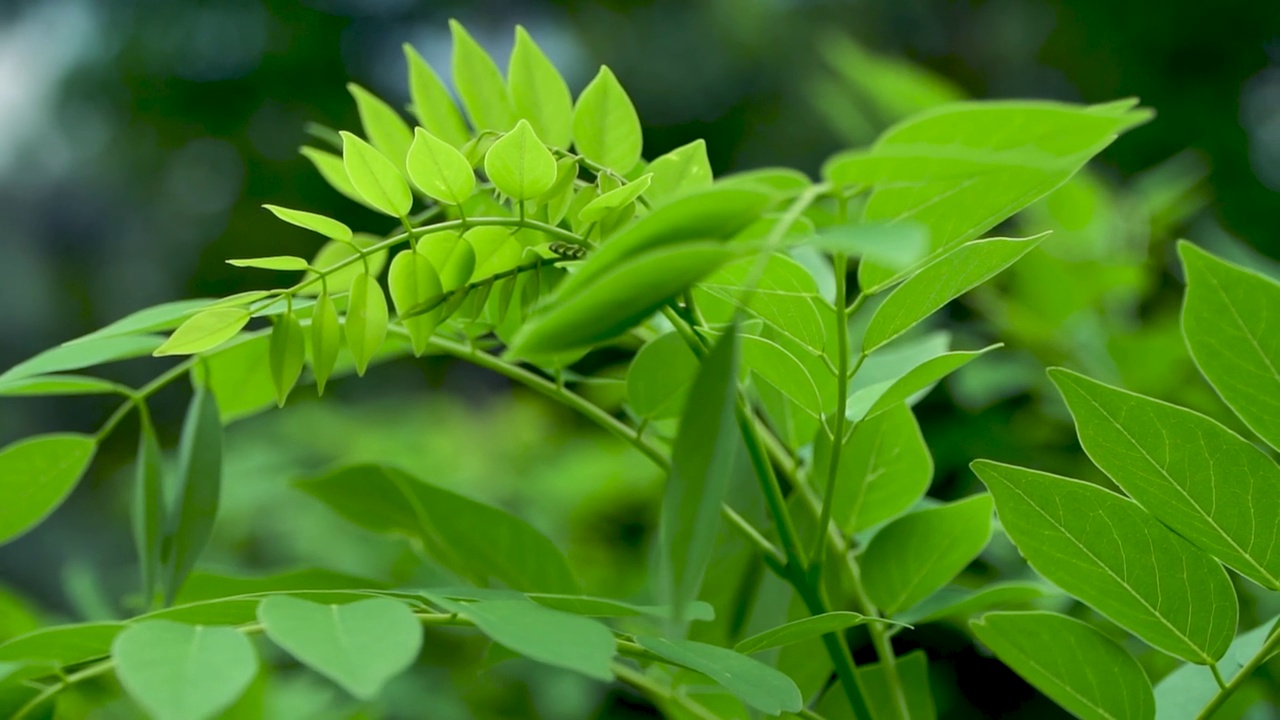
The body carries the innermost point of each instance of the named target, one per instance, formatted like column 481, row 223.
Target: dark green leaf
column 36, row 476
column 606, row 128
column 538, row 93
column 199, row 487
column 913, row 673
column 955, row 602
column 183, row 672
column 802, row 629
column 755, row 683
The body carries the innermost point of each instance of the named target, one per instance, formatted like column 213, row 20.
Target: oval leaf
column 412, row 280
column 326, row 340
column 538, row 93
column 377, row 179
column 439, row 170
column 606, row 128
column 683, row 170
column 660, row 376
column 287, row 355
column 205, row 330
column 519, row 165
column 183, row 672
column 755, row 683
column 366, row 326
column 36, row 476
column 327, row 227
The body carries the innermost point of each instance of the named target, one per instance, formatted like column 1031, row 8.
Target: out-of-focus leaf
column 755, row 683
column 954, row 602
column 36, row 476
column 600, row 208
column 183, row 672
column 894, row 245
column 147, row 514
column 802, row 629
column 660, row 376
column 62, row 645
column 42, row 385
column 199, row 487
column 83, row 353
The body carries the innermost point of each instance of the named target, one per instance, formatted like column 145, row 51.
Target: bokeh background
column 139, row 138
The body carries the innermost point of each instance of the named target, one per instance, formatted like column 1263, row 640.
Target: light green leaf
column 439, row 170
column 779, row 182
column 519, row 165
column 432, row 104
column 360, row 645
column 480, row 84
column 539, row 633
column 327, row 227
column 287, row 355
column 940, row 282
column 708, row 459
column 234, row 374
column 772, row 363
column 334, row 172
column 183, row 672
column 366, row 325
column 1210, row 485
column 199, row 486
column 453, row 257
column 785, row 297
column 915, row 555
column 412, row 280
column 277, row 262
column 63, row 644
column 147, row 514
column 472, row 539
column 1183, row 693
column 43, row 385
column 83, row 353
column 755, row 683
column 956, row 602
column 386, row 130
column 885, row 467
column 599, row 208
column 538, row 92
column 333, row 253
column 1114, row 556
column 895, row 359
column 203, row 586
column 1227, row 319
column 606, row 128
column 683, row 170
column 873, row 399
column 913, row 674
column 561, row 194
column 204, row 331
column 802, row 629
column 660, row 376
column 607, row 607
column 379, row 181
column 36, row 476
column 1077, row 666
column 496, row 250
column 897, row 246
column 326, row 340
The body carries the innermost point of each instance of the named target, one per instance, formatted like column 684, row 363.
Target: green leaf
column 1208, row 484
column 940, row 282
column 203, row 586
column 1115, row 557
column 360, row 645
column 82, row 353
column 539, row 633
column 962, row 168
column 412, row 281
column 333, row 253
column 895, row 245
column 36, row 476
column 43, row 385
column 1227, row 321
column 538, row 92
column 480, row 84
column 1078, row 667
column 432, row 104
column 1182, row 694
column 377, row 179
column 599, row 208
column 519, row 165
column 277, row 262
column 869, row 401
column 885, row 467
column 204, row 331
column 755, row 683
column 772, row 363
column 199, row 487
column 183, row 672
column 326, row 340
column 327, row 227
column 660, row 376
column 439, row 170
column 149, row 503
column 785, row 297
column 956, row 602
column 606, row 128
column 913, row 674
column 472, row 539
column 621, row 298
column 915, row 555
column 334, row 172
column 708, row 459
column 802, row 629
column 62, row 645
column 287, row 355
column 366, row 325
column 386, row 130
column 683, row 170
column 235, row 376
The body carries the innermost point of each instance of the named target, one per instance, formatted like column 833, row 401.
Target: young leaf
column 333, row 253
column 205, row 330
column 917, row 554
column 802, row 629
column 469, row 538
column 773, row 364
column 940, row 282
column 561, row 194
column 708, row 458
column 412, row 281
column 326, row 339
column 36, row 476
column 386, row 130
column 149, row 503
column 360, row 646
column 42, row 385
column 874, row 399
column 288, row 353
column 538, row 92
column 377, row 179
column 432, row 104
column 785, row 297
column 599, row 208
column 1078, row 667
column 956, row 602
column 1227, row 319
column 606, row 128
column 660, row 376
column 334, row 172
column 755, row 683
column 1210, row 485
column 519, row 165
column 199, row 488
column 439, row 170
column 327, row 227
column 277, row 262
column 480, row 83
column 183, row 672
column 683, row 170
column 1135, row 571
column 451, row 255
column 366, row 325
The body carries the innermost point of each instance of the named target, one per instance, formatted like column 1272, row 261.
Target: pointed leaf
column 287, row 355
column 83, row 353
column 895, row 245
column 334, row 253
column 1183, row 693
column 538, row 93
column 326, row 340
column 334, row 172
column 606, row 128
column 43, row 385
column 36, row 476
column 412, row 280
column 277, row 262
column 802, row 629
column 785, row 297
column 149, row 503
column 199, row 488
column 366, row 326
column 440, row 171
column 327, row 227
column 874, row 399
column 375, row 178
column 660, row 376
column 480, row 83
column 957, row 602
column 519, row 165
column 432, row 104
column 205, row 330
column 773, row 364
column 683, row 170
column 755, row 683
column 386, row 130
column 602, row 206
column 183, row 672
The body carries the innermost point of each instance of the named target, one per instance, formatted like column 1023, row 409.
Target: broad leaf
column 183, row 672
column 383, row 126
column 359, row 645
column 538, row 93
column 451, row 255
column 326, row 340
column 873, row 399
column 199, row 487
column 600, row 208
column 366, row 326
column 439, row 170
column 1228, row 320
column 785, row 297
column 156, row 318
column 331, row 254
column 660, row 376
column 379, row 181
column 802, row 629
column 432, row 103
column 894, row 245
column 1210, row 485
column 205, row 330
column 147, row 514
column 519, row 165
column 327, row 227
column 334, row 172
column 772, row 363
column 1077, row 666
column 36, row 476
column 755, row 683
column 915, row 555
column 955, row 602
column 683, row 170
column 1114, row 556
column 275, row 262
column 479, row 83
column 606, row 128
column 1181, row 694
column 286, row 355
column 413, row 281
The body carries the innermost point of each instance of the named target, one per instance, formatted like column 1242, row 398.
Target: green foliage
column 36, row 475
column 178, row 671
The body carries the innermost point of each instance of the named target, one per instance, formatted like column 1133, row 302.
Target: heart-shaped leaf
column 183, row 672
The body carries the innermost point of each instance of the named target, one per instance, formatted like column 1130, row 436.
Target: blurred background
column 139, row 138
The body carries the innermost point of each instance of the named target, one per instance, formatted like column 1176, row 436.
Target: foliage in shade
column 183, row 672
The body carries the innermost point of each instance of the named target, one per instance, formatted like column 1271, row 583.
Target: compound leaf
column 432, row 104
column 386, row 130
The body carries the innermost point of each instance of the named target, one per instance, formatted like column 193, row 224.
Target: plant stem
column 1268, row 648
column 818, row 552
column 648, row 685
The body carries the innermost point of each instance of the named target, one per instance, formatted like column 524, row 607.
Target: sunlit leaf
column 205, row 330
column 326, row 340
column 453, row 257
column 439, row 170
column 42, row 385
column 538, row 93
column 413, row 280
column 287, row 355
column 606, row 128
column 375, row 178
column 36, row 476
column 479, row 83
column 432, row 103
column 327, row 227
column 519, row 165
column 367, row 318
column 331, row 254
column 278, row 262
column 63, row 644
column 383, row 126
column 334, row 172
column 183, row 672
column 683, row 170
column 599, row 208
